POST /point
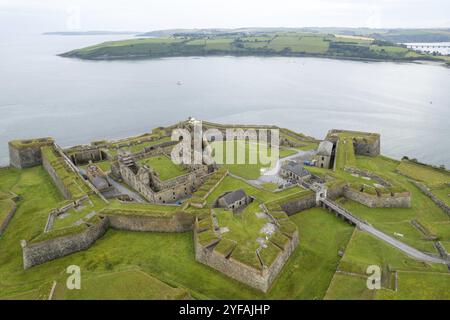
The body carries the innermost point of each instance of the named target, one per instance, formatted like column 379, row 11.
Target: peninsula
column 251, row 43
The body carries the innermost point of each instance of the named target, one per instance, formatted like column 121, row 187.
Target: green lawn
column 443, row 193
column 164, row 166
column 419, row 286
column 230, row 184
column 72, row 216
column 349, row 287
column 246, row 161
column 309, row 270
column 428, row 175
column 122, row 285
column 244, row 228
column 345, row 155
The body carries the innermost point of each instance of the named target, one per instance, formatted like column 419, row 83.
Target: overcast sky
column 145, row 15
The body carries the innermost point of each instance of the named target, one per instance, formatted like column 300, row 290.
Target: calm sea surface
column 78, row 101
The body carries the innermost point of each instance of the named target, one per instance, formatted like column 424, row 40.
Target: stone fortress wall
column 27, row 153
column 44, row 251
column 309, row 201
column 83, row 154
column 387, row 200
column 41, row 252
column 364, row 143
column 260, row 279
column 56, row 179
column 395, row 200
column 180, row 222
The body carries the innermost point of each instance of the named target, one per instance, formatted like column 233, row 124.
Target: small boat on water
column 179, row 82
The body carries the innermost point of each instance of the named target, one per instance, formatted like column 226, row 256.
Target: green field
column 122, row 285
column 428, row 175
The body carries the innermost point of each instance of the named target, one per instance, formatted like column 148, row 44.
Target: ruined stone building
column 145, row 181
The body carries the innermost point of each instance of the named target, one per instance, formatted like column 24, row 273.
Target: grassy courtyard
column 247, row 159
column 164, row 167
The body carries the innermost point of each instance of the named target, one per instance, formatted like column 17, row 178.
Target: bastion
column 27, row 153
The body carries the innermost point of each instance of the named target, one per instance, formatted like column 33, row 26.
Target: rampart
column 41, row 252
column 119, row 218
column 260, row 279
column 364, row 143
column 179, row 222
column 27, row 153
column 388, row 200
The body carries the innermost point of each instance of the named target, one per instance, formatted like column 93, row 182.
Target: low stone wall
column 260, row 279
column 180, row 222
column 397, row 200
column 427, row 192
column 309, row 201
column 442, row 252
column 7, row 220
column 58, row 211
column 278, row 264
column 38, row 253
column 368, row 174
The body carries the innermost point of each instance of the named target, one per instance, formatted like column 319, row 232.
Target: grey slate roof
column 100, row 183
column 325, row 148
column 233, row 196
column 295, row 168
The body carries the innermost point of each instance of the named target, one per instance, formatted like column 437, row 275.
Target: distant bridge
column 427, row 46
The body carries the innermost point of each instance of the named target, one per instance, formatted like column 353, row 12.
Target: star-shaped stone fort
column 238, row 213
